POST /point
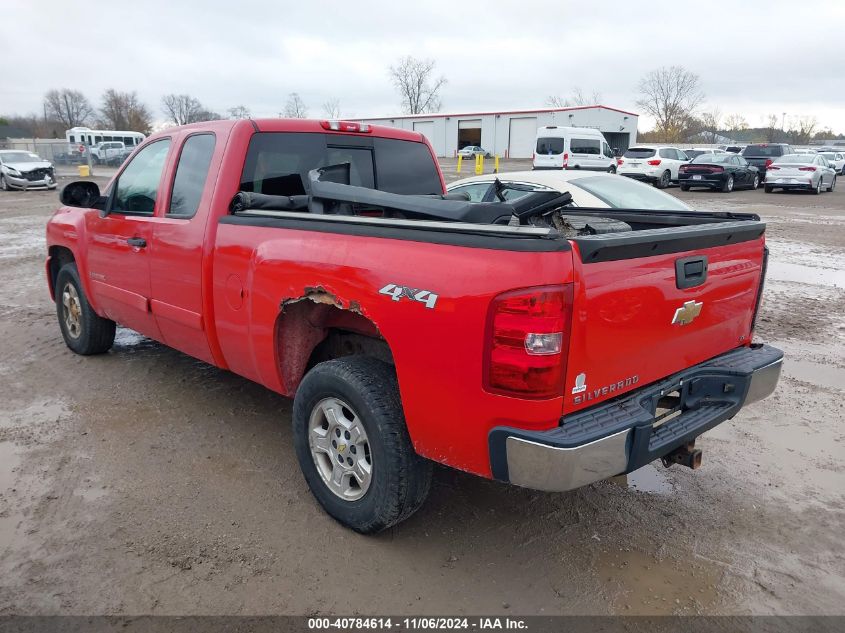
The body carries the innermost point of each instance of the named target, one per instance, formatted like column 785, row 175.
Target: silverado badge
column 687, row 312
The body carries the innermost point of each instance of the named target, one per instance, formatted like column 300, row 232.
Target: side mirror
column 83, row 194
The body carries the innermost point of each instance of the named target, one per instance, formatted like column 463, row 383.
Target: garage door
column 469, row 132
column 426, row 128
column 523, row 134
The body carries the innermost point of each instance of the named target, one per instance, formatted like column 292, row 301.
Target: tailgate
column 650, row 303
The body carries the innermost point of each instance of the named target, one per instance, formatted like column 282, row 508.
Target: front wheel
column 353, row 447
column 84, row 331
column 4, row 186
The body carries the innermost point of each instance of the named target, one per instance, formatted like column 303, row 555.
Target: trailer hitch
column 687, row 455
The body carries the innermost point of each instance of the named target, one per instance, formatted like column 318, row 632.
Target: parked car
column 724, row 172
column 800, row 171
column 559, row 147
column 658, row 165
column 698, row 151
column 471, row 151
column 761, row 155
column 514, row 340
column 20, row 169
column 593, row 190
column 109, row 152
column 837, row 159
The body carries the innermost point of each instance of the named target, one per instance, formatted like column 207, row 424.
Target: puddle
column 648, row 586
column 816, row 373
column 649, row 478
column 785, row 271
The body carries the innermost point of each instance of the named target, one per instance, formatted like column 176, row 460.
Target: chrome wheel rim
column 72, row 310
column 756, row 182
column 340, row 449
column 730, row 184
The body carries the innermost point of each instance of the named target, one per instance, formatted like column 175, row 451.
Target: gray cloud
column 496, row 55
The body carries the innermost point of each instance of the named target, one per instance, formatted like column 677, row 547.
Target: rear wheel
column 818, row 188
column 768, row 188
column 832, row 184
column 665, row 179
column 684, row 187
column 611, row 169
column 728, row 185
column 84, row 331
column 353, row 447
column 756, row 182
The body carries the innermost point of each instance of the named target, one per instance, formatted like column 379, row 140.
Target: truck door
column 178, row 249
column 119, row 242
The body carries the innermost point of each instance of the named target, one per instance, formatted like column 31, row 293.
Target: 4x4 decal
column 397, row 292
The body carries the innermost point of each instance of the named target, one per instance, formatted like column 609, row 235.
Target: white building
column 512, row 134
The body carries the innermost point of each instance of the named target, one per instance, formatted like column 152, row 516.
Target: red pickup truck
column 523, row 339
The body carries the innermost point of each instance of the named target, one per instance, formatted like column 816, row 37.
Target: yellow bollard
column 479, row 164
column 496, row 164
column 84, row 171
column 460, row 158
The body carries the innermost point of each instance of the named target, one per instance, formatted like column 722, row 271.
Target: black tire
column 4, row 186
column 768, row 188
column 728, row 185
column 664, row 180
column 611, row 169
column 818, row 188
column 401, row 479
column 755, row 183
column 832, row 185
column 96, row 334
column 684, row 187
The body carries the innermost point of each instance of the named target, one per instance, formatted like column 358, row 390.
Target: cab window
column 191, row 174
column 137, row 188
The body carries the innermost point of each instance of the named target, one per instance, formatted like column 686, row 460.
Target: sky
column 754, row 57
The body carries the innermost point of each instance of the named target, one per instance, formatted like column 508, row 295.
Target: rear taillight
column 806, row 169
column 654, row 161
column 566, row 159
column 345, row 126
column 526, row 342
column 772, row 168
column 768, row 162
column 619, row 161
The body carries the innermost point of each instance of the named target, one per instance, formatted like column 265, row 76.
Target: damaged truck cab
column 323, row 260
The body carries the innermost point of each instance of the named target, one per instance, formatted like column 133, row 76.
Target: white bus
column 87, row 136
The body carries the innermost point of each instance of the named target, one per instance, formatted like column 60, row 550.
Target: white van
column 572, row 148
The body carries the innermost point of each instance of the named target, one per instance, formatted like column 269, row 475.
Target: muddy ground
column 143, row 481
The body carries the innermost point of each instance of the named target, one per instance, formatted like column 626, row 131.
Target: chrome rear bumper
column 619, row 437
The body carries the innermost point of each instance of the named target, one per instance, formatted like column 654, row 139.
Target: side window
column 191, row 174
column 137, row 187
column 666, row 153
column 475, row 190
column 681, row 155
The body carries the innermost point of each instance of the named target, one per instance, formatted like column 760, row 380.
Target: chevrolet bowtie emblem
column 687, row 312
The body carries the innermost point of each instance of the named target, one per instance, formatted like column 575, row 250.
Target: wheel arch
column 317, row 327
column 58, row 256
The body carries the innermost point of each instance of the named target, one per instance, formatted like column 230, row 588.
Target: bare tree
column 735, row 122
column 418, row 87
column 802, row 128
column 239, row 112
column 772, row 128
column 295, row 107
column 184, row 109
column 331, row 108
column 577, row 98
column 711, row 122
column 671, row 95
column 70, row 107
column 124, row 111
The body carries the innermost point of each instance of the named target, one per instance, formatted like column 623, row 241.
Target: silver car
column 810, row 172
column 20, row 169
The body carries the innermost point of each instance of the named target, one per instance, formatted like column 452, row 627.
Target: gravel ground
column 145, row 482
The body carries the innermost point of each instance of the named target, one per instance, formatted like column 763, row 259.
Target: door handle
column 137, row 242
